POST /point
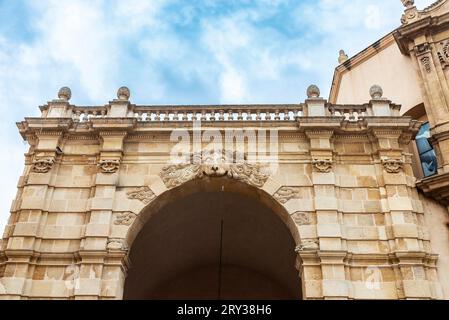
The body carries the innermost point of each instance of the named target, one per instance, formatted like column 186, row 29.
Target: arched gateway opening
column 213, row 239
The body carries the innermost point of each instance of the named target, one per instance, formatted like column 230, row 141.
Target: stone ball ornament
column 376, row 92
column 65, row 93
column 313, row 92
column 123, row 93
column 408, row 3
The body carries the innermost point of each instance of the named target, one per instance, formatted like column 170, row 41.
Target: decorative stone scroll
column 43, row 165
column 109, row 166
column 303, row 218
column 393, row 165
column 125, row 218
column 214, row 165
column 285, row 194
column 144, row 194
column 117, row 244
column 322, row 165
column 308, row 245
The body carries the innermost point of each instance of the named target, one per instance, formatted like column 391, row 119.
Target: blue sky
column 172, row 52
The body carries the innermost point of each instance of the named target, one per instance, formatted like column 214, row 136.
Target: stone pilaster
column 331, row 251
column 96, row 243
column 406, row 240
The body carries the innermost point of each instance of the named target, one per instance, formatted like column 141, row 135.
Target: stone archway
column 213, row 238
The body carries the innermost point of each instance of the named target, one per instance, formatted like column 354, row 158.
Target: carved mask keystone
column 214, row 165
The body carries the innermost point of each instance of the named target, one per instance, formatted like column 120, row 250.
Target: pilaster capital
column 319, row 134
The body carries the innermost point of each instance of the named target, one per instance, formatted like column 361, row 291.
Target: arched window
column 426, row 153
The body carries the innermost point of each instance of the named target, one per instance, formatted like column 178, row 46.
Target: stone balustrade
column 314, row 106
column 349, row 112
column 83, row 114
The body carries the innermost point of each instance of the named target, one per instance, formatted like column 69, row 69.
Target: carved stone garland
column 43, row 165
column 214, row 165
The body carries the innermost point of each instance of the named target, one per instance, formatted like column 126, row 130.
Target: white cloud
column 233, row 86
column 373, row 18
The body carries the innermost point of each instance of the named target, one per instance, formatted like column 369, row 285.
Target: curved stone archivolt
column 153, row 203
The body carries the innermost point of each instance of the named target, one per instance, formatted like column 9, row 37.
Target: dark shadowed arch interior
column 213, row 245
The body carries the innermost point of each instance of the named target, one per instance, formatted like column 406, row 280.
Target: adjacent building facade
column 339, row 199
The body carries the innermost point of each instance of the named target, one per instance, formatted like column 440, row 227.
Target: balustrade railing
column 83, row 114
column 350, row 112
column 203, row 113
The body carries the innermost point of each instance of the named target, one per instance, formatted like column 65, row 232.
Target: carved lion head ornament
column 216, row 163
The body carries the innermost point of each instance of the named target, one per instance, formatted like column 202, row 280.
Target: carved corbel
column 322, row 165
column 43, row 165
column 392, row 165
column 109, row 165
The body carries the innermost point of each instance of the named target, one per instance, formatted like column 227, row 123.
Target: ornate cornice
column 436, row 187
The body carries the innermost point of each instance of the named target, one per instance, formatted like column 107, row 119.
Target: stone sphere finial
column 313, row 92
column 376, row 92
column 408, row 3
column 123, row 93
column 343, row 57
column 65, row 93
